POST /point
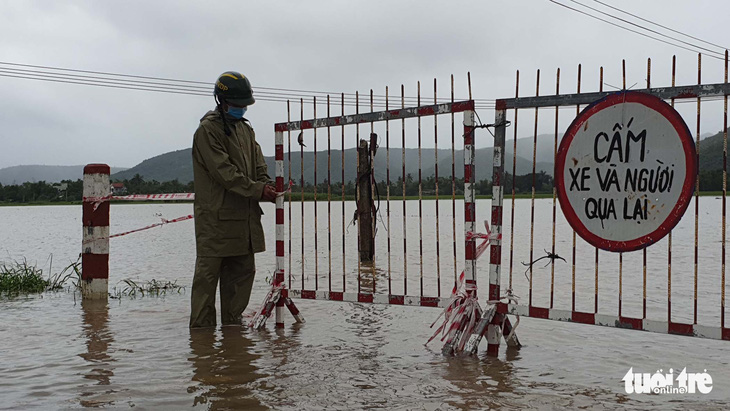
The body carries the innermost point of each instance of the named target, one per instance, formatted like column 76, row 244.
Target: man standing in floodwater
column 230, row 177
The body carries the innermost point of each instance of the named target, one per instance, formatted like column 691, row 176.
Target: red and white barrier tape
column 463, row 312
column 163, row 222
column 263, row 313
column 155, row 197
column 288, row 189
column 158, row 197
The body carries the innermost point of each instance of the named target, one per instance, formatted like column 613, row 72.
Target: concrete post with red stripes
column 470, row 262
column 280, row 260
column 494, row 330
column 95, row 239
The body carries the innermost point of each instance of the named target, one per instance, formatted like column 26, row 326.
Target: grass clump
column 153, row 287
column 19, row 277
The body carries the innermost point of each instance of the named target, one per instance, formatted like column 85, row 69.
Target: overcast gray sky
column 339, row 46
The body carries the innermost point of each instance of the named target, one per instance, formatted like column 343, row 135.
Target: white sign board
column 625, row 171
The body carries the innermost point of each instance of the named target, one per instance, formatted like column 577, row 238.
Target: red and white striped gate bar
column 386, row 299
column 280, row 261
column 445, row 108
column 470, row 262
column 494, row 329
column 95, row 239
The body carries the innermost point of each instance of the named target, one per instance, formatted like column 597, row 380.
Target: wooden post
column 95, row 239
column 365, row 204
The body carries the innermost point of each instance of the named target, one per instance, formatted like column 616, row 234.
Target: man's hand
column 269, row 194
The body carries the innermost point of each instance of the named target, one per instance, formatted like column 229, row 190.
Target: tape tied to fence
column 155, row 197
column 158, row 197
column 461, row 315
column 288, row 189
column 264, row 312
column 161, row 223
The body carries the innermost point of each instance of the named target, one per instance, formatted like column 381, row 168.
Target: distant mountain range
column 165, row 167
column 178, row 164
column 49, row 174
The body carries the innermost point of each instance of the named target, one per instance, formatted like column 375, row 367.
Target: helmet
column 233, row 87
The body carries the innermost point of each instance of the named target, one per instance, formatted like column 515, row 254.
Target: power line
column 659, row 25
column 201, row 86
column 174, row 88
column 645, row 28
column 629, row 29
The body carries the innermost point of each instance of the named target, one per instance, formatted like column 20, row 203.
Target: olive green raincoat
column 230, row 174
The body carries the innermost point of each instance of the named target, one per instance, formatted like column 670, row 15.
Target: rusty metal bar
column 595, row 307
column 288, row 118
column 372, row 182
column 436, row 182
column 532, row 197
column 595, row 265
column 403, row 164
column 643, row 252
column 697, row 186
column 577, row 111
column 664, row 93
column 514, row 162
column 555, row 155
column 344, row 243
column 357, row 192
column 420, row 194
column 301, row 161
column 403, row 113
column 669, row 237
column 724, row 198
column 387, row 187
column 453, row 185
column 620, row 282
column 329, row 199
column 316, row 242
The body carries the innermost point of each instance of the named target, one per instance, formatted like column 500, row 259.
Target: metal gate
column 675, row 286
column 633, row 290
column 317, row 237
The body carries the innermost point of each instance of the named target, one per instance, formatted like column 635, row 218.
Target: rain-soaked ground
column 58, row 352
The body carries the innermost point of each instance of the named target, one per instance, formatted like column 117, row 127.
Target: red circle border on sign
column 688, row 186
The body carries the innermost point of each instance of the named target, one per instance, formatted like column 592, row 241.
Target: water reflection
column 223, row 370
column 98, row 339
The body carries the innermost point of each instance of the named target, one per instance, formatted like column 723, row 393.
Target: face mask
column 236, row 112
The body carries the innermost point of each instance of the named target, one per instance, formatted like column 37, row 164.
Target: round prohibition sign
column 625, row 171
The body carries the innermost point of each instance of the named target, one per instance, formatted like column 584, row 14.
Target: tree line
column 523, row 184
column 72, row 191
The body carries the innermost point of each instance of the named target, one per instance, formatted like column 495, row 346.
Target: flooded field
column 59, row 352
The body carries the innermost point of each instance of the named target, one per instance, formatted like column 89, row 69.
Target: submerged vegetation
column 153, row 287
column 19, row 277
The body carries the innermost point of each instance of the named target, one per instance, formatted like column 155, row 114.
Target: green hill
column 50, row 174
column 711, row 149
column 165, row 167
column 178, row 165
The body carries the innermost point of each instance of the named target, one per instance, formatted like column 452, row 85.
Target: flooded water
column 58, row 352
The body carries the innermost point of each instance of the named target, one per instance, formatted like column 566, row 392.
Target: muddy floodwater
column 58, row 352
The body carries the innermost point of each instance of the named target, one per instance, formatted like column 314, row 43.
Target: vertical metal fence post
column 470, row 264
column 495, row 251
column 280, row 259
